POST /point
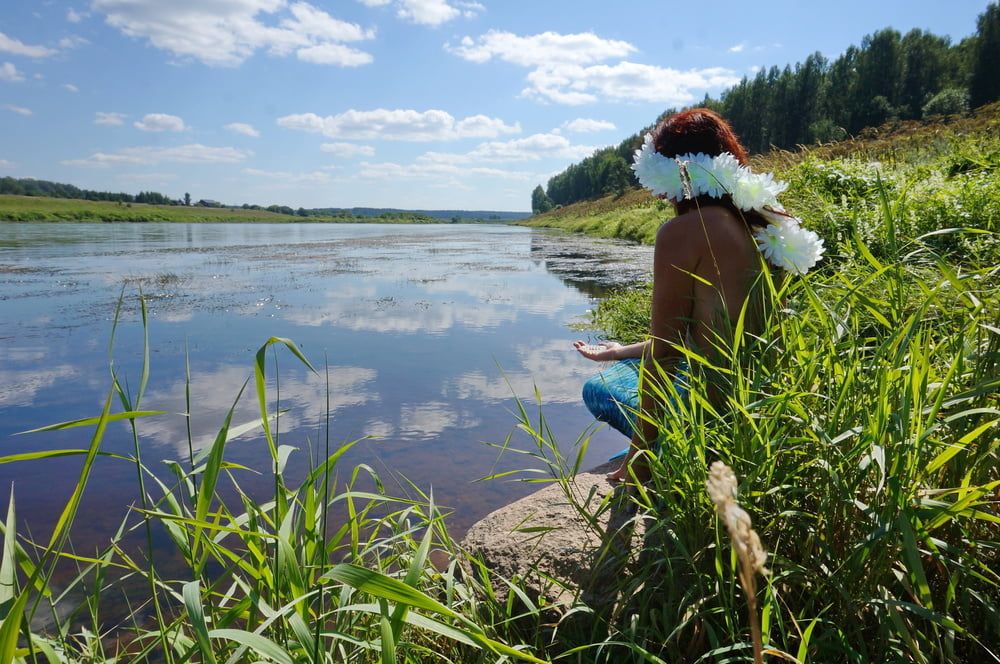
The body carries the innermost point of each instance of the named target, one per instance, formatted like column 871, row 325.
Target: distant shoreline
column 29, row 209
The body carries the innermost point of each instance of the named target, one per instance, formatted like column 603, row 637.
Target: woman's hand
column 604, row 351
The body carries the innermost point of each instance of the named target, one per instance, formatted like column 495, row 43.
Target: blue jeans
column 613, row 394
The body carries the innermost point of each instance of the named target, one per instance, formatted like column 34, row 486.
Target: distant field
column 38, row 208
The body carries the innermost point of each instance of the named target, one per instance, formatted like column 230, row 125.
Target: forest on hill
column 890, row 76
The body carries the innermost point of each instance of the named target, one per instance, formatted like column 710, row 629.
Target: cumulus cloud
column 429, row 12
column 67, row 43
column 435, row 170
column 334, row 54
column 114, row 119
column 242, row 128
column 398, row 124
column 625, row 81
column 566, row 69
column 586, row 125
column 70, row 87
column 160, row 122
column 17, row 47
column 20, row 110
column 348, row 150
column 227, row 32
column 541, row 50
column 529, row 148
column 9, row 73
column 426, row 12
column 192, row 153
column 314, row 177
column 6, row 165
column 738, row 48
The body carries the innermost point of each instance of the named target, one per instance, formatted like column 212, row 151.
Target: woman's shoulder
column 710, row 223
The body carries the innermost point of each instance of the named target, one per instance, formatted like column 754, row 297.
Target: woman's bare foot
column 639, row 468
column 619, row 474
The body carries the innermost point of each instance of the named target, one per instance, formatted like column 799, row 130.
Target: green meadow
column 43, row 208
column 862, row 425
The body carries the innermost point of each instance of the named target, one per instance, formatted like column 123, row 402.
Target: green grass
column 951, row 166
column 41, row 208
column 862, row 423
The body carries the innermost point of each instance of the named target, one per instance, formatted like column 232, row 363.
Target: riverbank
column 41, row 208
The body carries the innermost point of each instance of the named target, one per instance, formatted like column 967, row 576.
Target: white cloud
column 529, row 148
column 20, row 110
column 348, row 150
column 586, row 125
column 430, row 169
column 541, row 50
column 70, row 87
column 6, row 165
column 334, row 54
column 755, row 68
column 625, row 81
column 314, row 177
column 9, row 73
column 147, row 155
column 73, row 16
column 147, row 177
column 399, row 124
column 114, row 119
column 566, row 70
column 68, row 43
column 738, row 48
column 227, row 32
column 160, row 122
column 426, row 12
column 17, row 47
column 242, row 128
column 430, row 12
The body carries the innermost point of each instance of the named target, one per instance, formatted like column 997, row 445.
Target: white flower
column 659, row 174
column 726, row 170
column 754, row 191
column 783, row 242
column 700, row 172
column 787, row 245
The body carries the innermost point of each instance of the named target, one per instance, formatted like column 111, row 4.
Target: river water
column 429, row 332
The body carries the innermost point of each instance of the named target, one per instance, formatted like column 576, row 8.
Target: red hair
column 697, row 130
column 702, row 130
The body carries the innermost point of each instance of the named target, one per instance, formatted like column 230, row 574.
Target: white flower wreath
column 783, row 241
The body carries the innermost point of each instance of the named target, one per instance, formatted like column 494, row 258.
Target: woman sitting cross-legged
column 705, row 265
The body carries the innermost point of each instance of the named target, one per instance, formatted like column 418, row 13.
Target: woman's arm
column 608, row 351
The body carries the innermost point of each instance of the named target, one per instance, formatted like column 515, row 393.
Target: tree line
column 32, row 187
column 890, row 76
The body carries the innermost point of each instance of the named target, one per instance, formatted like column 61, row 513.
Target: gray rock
column 562, row 542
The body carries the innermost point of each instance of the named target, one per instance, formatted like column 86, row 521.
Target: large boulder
column 569, row 540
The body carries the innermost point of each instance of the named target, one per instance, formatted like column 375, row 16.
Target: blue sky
column 435, row 104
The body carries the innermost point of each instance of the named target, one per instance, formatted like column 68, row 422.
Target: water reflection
column 303, row 399
column 429, row 332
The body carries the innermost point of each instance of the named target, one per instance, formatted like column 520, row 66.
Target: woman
column 705, row 264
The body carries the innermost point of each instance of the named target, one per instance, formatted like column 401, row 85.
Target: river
column 429, row 332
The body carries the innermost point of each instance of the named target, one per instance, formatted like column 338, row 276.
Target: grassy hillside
column 947, row 164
